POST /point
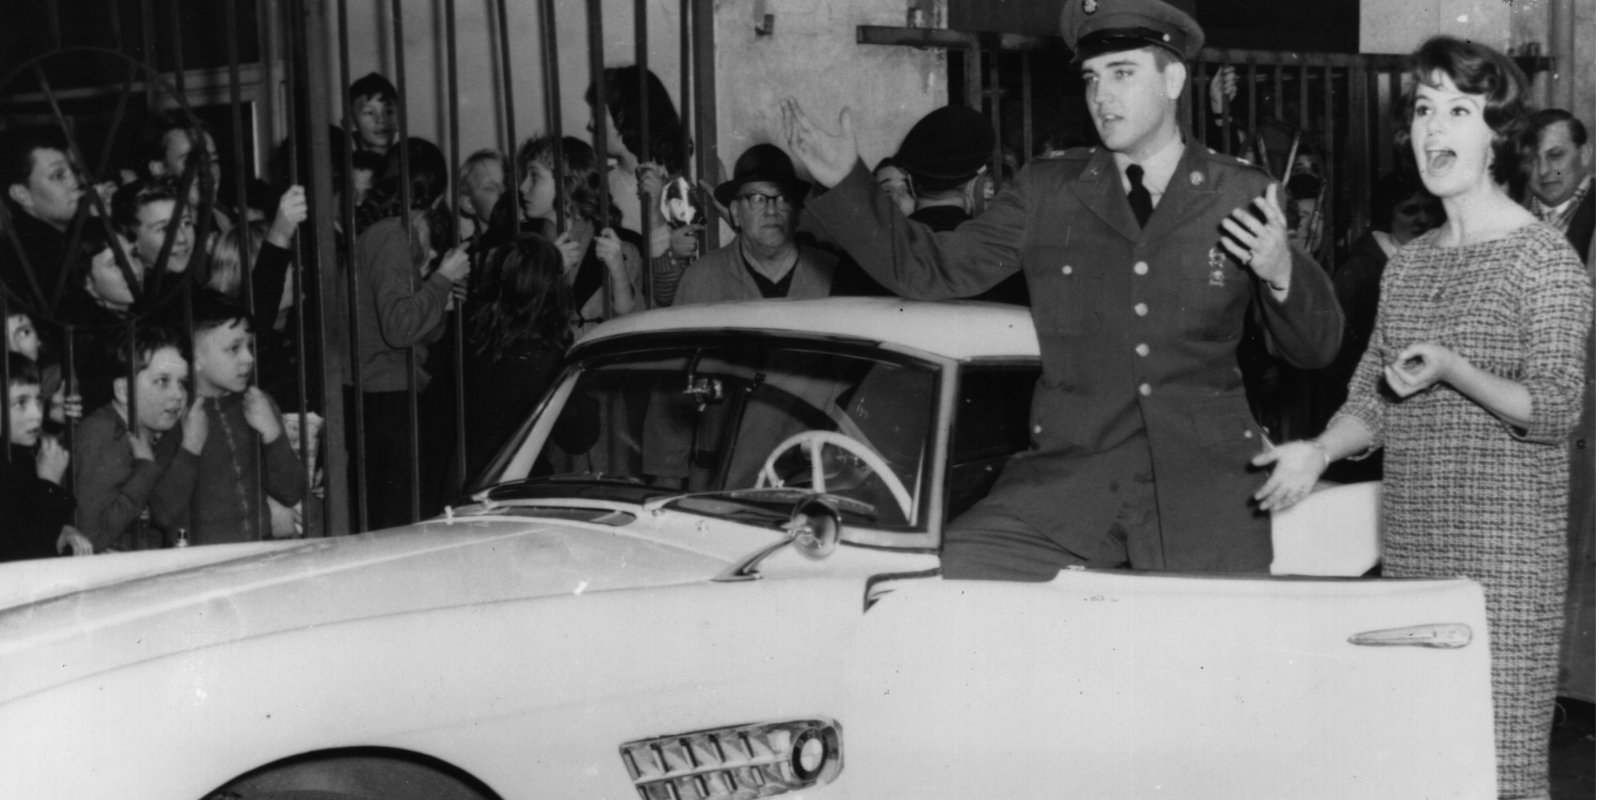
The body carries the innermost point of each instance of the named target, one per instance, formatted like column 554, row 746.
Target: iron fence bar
column 308, row 23
column 413, row 421
column 552, row 99
column 267, row 53
column 177, row 48
column 641, row 59
column 997, row 153
column 353, row 297
column 54, row 19
column 458, row 328
column 1250, row 118
column 5, row 380
column 231, row 26
column 115, row 13
column 147, row 26
column 597, row 79
column 1277, row 92
column 302, row 401
column 508, row 97
column 705, row 90
column 686, row 100
column 1027, row 110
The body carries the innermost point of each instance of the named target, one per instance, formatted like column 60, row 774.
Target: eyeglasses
column 759, row 201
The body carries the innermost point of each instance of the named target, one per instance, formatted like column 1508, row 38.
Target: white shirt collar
column 1158, row 168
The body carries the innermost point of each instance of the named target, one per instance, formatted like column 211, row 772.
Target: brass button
column 1141, row 309
column 1143, row 349
column 1141, row 268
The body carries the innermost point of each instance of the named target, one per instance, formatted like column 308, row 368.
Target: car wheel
column 342, row 776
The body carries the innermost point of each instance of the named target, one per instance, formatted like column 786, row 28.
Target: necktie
column 1138, row 196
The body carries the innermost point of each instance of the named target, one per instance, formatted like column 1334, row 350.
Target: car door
column 1117, row 684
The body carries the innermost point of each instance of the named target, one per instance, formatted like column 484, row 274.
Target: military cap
column 1097, row 27
column 948, row 144
column 762, row 162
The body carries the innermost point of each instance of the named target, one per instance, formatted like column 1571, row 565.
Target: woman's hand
column 1420, row 366
column 609, row 250
column 571, row 251
column 1296, row 466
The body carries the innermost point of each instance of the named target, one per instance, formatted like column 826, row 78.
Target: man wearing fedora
column 1143, row 258
column 764, row 260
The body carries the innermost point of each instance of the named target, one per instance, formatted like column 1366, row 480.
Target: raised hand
column 52, row 460
column 259, row 415
column 292, row 210
column 828, row 156
column 1262, row 246
column 196, row 426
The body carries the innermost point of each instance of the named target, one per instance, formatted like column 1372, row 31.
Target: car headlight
column 736, row 762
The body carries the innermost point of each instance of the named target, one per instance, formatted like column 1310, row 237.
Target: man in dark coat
column 945, row 153
column 1142, row 258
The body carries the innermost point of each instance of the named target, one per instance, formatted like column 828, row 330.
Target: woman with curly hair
column 1471, row 381
column 602, row 271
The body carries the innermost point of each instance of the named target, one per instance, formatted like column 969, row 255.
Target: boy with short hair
column 35, row 511
column 372, row 101
column 227, row 504
column 135, row 474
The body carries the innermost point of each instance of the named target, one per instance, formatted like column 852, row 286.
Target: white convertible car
column 707, row 567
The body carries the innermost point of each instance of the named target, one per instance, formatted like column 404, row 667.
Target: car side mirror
column 814, row 527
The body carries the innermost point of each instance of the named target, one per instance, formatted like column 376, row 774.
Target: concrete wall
column 1561, row 29
column 811, row 54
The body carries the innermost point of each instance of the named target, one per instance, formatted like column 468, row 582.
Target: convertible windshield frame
column 517, row 459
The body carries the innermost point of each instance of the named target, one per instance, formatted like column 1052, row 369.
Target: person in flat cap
column 1143, row 257
column 763, row 199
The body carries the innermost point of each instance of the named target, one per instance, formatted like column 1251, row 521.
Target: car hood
column 132, row 607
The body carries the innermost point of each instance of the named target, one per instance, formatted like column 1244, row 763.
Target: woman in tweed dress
column 1471, row 382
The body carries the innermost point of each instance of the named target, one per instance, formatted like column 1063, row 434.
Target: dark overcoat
column 1137, row 333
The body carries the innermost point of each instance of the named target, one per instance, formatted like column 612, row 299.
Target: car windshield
column 705, row 424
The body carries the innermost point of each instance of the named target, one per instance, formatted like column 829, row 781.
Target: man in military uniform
column 1143, row 258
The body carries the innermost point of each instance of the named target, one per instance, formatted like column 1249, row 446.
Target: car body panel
column 541, row 623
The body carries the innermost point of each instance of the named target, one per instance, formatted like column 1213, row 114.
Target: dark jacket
column 32, row 509
column 1137, row 333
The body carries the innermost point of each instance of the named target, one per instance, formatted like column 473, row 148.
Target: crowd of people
column 151, row 320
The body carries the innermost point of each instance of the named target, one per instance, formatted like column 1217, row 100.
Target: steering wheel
column 813, row 441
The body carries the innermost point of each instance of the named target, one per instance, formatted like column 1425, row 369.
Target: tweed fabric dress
column 1465, row 493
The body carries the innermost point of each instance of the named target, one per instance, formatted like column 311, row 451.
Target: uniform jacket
column 1137, row 333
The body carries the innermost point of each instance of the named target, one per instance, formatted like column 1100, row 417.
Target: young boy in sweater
column 34, row 507
column 135, row 471
column 246, row 454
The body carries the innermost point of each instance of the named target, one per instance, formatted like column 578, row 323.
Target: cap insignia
column 1091, row 6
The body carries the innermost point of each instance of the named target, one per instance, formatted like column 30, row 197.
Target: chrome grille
column 736, row 762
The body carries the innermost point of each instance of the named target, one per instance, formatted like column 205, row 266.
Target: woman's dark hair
column 581, row 176
column 429, row 173
column 666, row 128
column 1475, row 69
column 524, row 297
column 430, row 179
